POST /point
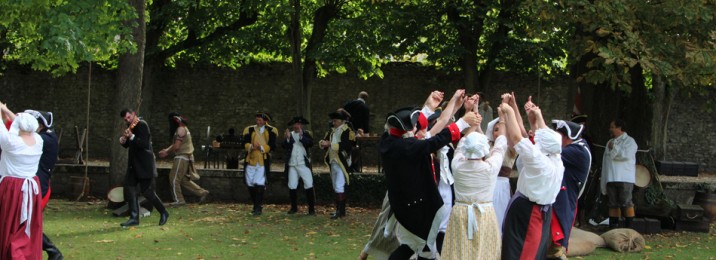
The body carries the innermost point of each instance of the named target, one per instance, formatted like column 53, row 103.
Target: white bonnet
column 24, row 122
column 491, row 128
column 549, row 141
column 476, row 146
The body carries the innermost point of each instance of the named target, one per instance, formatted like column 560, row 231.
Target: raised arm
column 512, row 101
column 456, row 101
column 500, row 123
column 432, row 102
column 512, row 128
column 7, row 115
column 534, row 115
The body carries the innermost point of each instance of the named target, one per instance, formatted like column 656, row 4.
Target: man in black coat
column 141, row 168
column 359, row 119
column 412, row 186
column 360, row 113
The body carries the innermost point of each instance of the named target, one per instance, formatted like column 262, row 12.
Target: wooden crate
column 702, row 225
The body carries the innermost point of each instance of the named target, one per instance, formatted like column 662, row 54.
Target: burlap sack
column 624, row 240
column 583, row 242
column 589, row 236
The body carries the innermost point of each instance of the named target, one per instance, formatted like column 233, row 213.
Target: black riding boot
column 252, row 196
column 613, row 222
column 311, row 198
column 157, row 203
column 342, row 203
column 294, row 201
column 52, row 252
column 340, row 206
column 259, row 200
column 627, row 222
column 131, row 197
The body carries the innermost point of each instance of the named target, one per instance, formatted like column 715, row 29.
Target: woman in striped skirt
column 473, row 230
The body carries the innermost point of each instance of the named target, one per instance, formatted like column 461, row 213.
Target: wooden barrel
column 707, row 200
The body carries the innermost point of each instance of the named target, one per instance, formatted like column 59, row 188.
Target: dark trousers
column 146, row 188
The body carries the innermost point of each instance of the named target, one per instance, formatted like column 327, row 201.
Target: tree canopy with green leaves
column 608, row 43
column 675, row 40
column 58, row 35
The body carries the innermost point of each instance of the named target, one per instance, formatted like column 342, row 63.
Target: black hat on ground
column 568, row 128
column 298, row 119
column 403, row 119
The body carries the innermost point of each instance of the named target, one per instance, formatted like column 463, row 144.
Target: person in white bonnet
column 473, row 231
column 503, row 193
column 20, row 212
column 540, row 176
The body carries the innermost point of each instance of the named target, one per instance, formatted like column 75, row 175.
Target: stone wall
column 692, row 132
column 223, row 98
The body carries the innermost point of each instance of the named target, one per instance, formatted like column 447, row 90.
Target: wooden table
column 217, row 154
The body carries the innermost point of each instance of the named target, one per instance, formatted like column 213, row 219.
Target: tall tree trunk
column 153, row 58
column 469, row 32
column 498, row 41
column 321, row 18
column 661, row 107
column 128, row 92
column 637, row 118
column 294, row 34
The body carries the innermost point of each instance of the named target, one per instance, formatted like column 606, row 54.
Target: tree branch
column 245, row 19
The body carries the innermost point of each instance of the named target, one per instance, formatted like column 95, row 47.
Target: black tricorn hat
column 579, row 119
column 568, row 128
column 265, row 116
column 298, row 119
column 404, row 118
column 45, row 118
column 338, row 115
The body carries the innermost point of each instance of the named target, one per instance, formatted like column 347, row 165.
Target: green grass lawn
column 85, row 230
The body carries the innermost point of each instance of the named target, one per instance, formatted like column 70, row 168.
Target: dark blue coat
column 50, row 149
column 577, row 160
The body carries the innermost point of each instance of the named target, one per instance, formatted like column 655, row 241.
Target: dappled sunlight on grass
column 86, row 230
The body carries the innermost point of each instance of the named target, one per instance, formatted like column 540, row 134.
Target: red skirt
column 14, row 242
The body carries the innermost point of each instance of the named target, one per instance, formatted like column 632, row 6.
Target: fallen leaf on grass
column 678, row 245
column 104, row 241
